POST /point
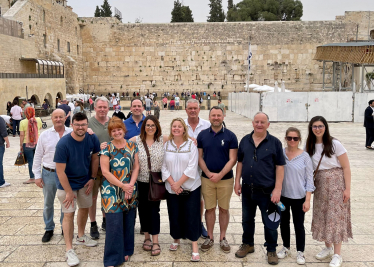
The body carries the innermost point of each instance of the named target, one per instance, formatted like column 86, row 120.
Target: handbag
column 157, row 190
column 20, row 160
column 319, row 163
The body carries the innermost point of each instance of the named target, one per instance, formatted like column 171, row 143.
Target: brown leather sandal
column 147, row 247
column 156, row 249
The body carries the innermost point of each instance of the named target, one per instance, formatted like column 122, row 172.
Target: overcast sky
column 158, row 11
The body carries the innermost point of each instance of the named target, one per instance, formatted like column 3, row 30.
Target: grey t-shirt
column 99, row 129
column 148, row 102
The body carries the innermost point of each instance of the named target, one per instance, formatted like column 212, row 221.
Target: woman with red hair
column 29, row 134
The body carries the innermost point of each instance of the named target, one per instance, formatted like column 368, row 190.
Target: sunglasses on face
column 290, row 138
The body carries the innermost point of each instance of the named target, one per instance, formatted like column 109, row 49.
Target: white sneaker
column 300, row 259
column 336, row 261
column 85, row 240
column 71, row 258
column 325, row 253
column 5, row 185
column 284, row 252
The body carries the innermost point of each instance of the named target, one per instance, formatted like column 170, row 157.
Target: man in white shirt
column 195, row 126
column 45, row 177
column 177, row 102
column 72, row 107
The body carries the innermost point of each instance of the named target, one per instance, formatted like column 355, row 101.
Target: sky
column 158, row 11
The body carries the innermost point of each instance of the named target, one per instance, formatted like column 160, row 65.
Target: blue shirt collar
column 132, row 120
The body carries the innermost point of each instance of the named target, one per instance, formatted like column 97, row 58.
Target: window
column 372, row 34
column 68, row 48
column 43, row 15
column 61, row 21
column 77, row 49
column 58, row 45
column 45, row 40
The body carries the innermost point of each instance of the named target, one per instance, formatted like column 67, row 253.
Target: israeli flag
column 249, row 57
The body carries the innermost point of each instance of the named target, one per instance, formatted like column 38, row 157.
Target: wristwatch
column 93, row 178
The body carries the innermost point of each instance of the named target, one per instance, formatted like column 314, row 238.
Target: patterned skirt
column 331, row 217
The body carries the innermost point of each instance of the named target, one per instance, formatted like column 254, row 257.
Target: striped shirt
column 298, row 176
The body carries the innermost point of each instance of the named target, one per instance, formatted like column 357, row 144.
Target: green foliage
column 216, row 12
column 97, row 12
column 266, row 10
column 181, row 13
column 370, row 76
column 106, row 9
column 230, row 4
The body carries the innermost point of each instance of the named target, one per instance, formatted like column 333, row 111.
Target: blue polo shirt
column 259, row 163
column 132, row 129
column 216, row 148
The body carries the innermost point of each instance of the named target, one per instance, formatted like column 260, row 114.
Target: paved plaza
column 22, row 226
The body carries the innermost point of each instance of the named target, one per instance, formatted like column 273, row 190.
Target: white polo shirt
column 203, row 124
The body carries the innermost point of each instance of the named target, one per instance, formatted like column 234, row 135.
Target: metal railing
column 29, row 75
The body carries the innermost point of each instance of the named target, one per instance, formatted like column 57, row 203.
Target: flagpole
column 249, row 66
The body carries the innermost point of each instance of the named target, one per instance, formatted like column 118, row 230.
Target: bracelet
column 93, row 178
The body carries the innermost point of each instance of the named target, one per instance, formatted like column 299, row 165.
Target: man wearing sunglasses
column 261, row 166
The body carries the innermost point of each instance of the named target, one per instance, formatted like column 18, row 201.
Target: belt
column 48, row 169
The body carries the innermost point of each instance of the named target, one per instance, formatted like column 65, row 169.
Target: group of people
column 195, row 161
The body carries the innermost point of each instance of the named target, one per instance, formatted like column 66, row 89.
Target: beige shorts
column 217, row 192
column 83, row 200
column 98, row 182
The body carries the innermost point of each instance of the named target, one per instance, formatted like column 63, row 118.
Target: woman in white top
column 149, row 211
column 16, row 113
column 183, row 183
column 331, row 205
column 297, row 189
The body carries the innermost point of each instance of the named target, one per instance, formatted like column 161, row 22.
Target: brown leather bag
column 157, row 190
column 319, row 163
column 21, row 159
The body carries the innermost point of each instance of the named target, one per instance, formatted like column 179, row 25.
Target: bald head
column 58, row 111
column 58, row 119
column 260, row 123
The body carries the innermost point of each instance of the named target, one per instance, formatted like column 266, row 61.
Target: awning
column 43, row 61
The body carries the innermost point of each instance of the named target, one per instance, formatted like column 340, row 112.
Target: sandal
column 195, row 257
column 147, row 247
column 174, row 246
column 156, row 249
column 128, row 258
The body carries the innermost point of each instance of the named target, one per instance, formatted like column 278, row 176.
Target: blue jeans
column 49, row 192
column 29, row 155
column 2, row 151
column 120, row 239
column 251, row 198
column 16, row 124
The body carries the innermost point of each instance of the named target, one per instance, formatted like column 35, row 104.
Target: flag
column 249, row 57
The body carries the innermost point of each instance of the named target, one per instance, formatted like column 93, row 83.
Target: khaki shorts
column 98, row 182
column 213, row 192
column 84, row 201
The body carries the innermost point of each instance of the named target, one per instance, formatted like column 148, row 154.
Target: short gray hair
column 101, row 98
column 191, row 101
column 260, row 112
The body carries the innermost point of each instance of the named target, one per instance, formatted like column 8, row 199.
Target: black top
column 3, row 131
column 120, row 115
column 368, row 120
column 259, row 163
column 216, row 147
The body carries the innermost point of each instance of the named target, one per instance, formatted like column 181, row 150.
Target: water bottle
column 280, row 205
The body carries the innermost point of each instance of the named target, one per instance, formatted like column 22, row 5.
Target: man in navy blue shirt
column 77, row 161
column 261, row 166
column 218, row 149
column 65, row 107
column 134, row 123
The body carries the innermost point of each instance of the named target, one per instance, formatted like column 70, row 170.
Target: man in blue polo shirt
column 218, row 148
column 134, row 123
column 261, row 165
column 77, row 161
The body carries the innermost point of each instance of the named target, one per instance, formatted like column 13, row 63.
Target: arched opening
column 48, row 99
column 58, row 98
column 34, row 99
column 372, row 34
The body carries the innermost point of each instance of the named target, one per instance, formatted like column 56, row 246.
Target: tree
column 266, row 10
column 216, row 12
column 181, row 13
column 230, row 4
column 97, row 12
column 106, row 9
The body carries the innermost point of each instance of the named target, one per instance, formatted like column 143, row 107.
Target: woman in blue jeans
column 3, row 139
column 29, row 134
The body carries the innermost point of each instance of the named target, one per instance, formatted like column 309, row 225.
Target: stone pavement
column 22, row 227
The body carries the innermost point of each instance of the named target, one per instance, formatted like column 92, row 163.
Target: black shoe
column 141, row 231
column 103, row 226
column 94, row 232
column 62, row 232
column 47, row 236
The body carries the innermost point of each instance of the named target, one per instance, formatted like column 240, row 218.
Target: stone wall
column 207, row 56
column 4, row 6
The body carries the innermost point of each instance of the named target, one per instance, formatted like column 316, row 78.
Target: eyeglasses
column 150, row 126
column 255, row 155
column 80, row 125
column 320, row 127
column 290, row 138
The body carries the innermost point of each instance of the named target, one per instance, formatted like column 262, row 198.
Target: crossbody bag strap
column 319, row 163
column 148, row 156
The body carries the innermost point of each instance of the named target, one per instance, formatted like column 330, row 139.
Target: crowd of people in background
column 118, row 156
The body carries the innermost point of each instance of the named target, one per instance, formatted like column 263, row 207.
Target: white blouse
column 156, row 151
column 328, row 163
column 181, row 161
